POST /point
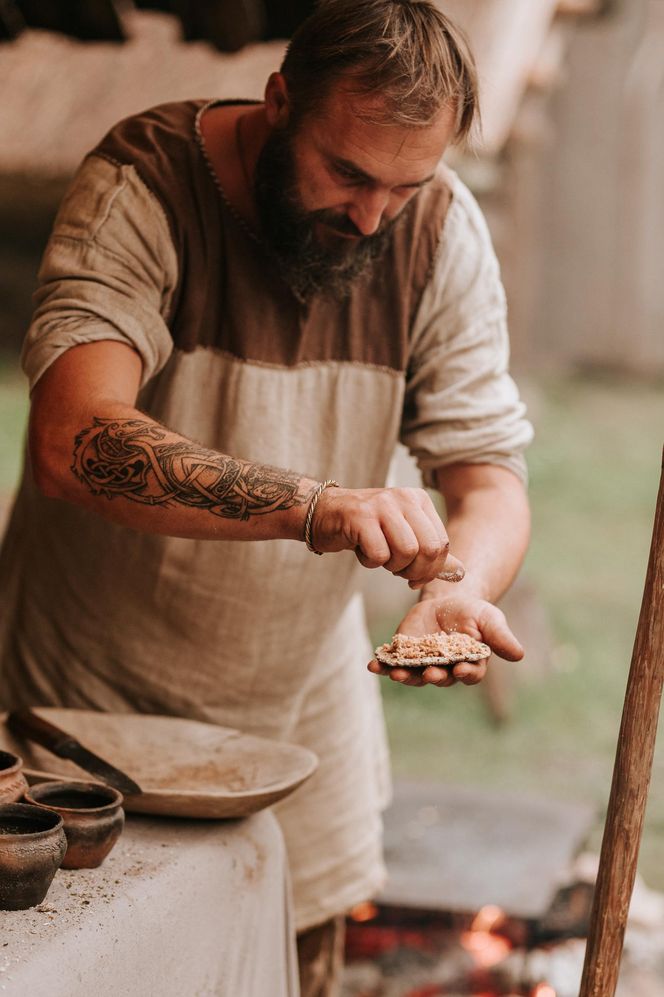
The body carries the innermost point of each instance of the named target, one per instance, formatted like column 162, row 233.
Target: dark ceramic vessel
column 13, row 783
column 92, row 814
column 32, row 847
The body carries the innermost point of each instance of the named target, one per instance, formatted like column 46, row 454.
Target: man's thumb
column 497, row 634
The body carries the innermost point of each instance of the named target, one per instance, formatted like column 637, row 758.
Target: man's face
column 330, row 188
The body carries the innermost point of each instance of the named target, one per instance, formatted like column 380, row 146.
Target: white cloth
column 178, row 908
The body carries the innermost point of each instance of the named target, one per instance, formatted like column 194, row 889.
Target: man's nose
column 367, row 209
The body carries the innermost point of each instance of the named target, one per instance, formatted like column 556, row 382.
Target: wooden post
column 631, row 777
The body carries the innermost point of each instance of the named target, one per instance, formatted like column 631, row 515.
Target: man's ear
column 277, row 103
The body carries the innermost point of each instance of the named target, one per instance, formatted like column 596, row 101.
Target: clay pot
column 13, row 783
column 32, row 847
column 92, row 814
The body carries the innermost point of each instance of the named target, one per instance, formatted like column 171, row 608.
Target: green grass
column 594, row 476
column 13, row 414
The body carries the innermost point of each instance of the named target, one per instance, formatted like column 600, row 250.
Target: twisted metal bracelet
column 330, row 483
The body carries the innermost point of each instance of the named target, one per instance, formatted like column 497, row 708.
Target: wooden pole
column 631, row 777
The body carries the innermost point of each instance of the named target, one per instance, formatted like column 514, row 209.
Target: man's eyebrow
column 351, row 167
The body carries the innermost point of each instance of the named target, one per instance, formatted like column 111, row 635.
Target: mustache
column 344, row 225
column 337, row 223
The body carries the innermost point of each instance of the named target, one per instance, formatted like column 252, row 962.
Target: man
column 295, row 284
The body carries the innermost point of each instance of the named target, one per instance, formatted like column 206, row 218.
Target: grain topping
column 431, row 649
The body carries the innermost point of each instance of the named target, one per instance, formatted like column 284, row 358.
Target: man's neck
column 233, row 135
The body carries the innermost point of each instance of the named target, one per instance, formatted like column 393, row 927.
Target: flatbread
column 431, row 649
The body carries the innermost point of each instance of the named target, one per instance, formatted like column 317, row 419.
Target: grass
column 13, row 414
column 594, row 476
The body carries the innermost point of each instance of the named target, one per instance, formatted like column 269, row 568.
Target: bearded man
column 296, row 284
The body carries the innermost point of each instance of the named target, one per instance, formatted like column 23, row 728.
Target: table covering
column 180, row 908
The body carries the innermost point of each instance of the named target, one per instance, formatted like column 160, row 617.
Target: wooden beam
column 631, row 778
column 506, row 37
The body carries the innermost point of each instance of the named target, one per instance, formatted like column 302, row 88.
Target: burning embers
column 483, row 940
column 401, row 952
column 407, row 951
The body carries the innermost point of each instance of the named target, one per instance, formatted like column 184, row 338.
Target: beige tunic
column 259, row 636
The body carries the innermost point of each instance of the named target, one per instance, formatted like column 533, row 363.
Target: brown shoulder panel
column 229, row 295
column 259, row 319
column 160, row 144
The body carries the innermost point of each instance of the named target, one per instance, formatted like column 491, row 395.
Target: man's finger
column 411, row 678
column 403, row 543
column 440, row 677
column 453, row 570
column 431, row 550
column 496, row 633
column 470, row 672
column 373, row 549
column 430, row 511
column 406, row 676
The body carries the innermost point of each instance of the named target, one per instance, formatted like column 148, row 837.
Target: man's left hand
column 476, row 617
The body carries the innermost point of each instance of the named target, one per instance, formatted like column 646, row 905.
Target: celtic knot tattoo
column 134, row 458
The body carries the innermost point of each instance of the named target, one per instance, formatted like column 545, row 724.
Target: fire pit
column 408, row 946
column 399, row 952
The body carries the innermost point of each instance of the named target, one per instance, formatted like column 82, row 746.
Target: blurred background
column 570, row 173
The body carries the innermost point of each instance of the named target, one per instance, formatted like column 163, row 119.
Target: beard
column 289, row 231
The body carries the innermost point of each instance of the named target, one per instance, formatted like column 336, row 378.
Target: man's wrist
column 311, row 511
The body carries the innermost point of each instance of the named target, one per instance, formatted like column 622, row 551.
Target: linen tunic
column 260, row 636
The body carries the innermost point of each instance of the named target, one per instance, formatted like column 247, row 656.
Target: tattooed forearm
column 134, row 458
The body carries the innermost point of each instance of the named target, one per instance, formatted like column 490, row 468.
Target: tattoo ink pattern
column 133, row 458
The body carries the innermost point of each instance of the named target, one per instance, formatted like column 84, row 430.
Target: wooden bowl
column 13, row 783
column 32, row 846
column 92, row 815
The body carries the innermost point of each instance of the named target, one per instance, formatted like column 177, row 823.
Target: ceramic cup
column 13, row 783
column 32, row 846
column 92, row 814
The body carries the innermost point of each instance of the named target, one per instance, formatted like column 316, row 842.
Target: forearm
column 120, row 463
column 488, row 523
column 91, row 446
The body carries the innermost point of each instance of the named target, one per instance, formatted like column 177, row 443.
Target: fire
column 487, row 948
column 365, row 912
column 488, row 918
column 543, row 990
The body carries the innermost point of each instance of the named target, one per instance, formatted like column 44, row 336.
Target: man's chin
column 332, row 274
column 315, row 258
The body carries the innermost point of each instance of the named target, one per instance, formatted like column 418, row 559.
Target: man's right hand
column 91, row 446
column 393, row 528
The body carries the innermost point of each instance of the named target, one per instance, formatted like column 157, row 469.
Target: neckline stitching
column 215, row 102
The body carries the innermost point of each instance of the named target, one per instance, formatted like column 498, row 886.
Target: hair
column 406, row 53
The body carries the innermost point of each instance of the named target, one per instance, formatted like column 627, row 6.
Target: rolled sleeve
column 108, row 272
column 461, row 405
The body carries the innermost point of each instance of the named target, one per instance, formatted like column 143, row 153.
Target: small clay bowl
column 13, row 783
column 92, row 814
column 32, row 847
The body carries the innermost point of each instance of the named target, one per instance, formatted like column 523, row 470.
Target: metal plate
column 185, row 768
column 457, row 848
